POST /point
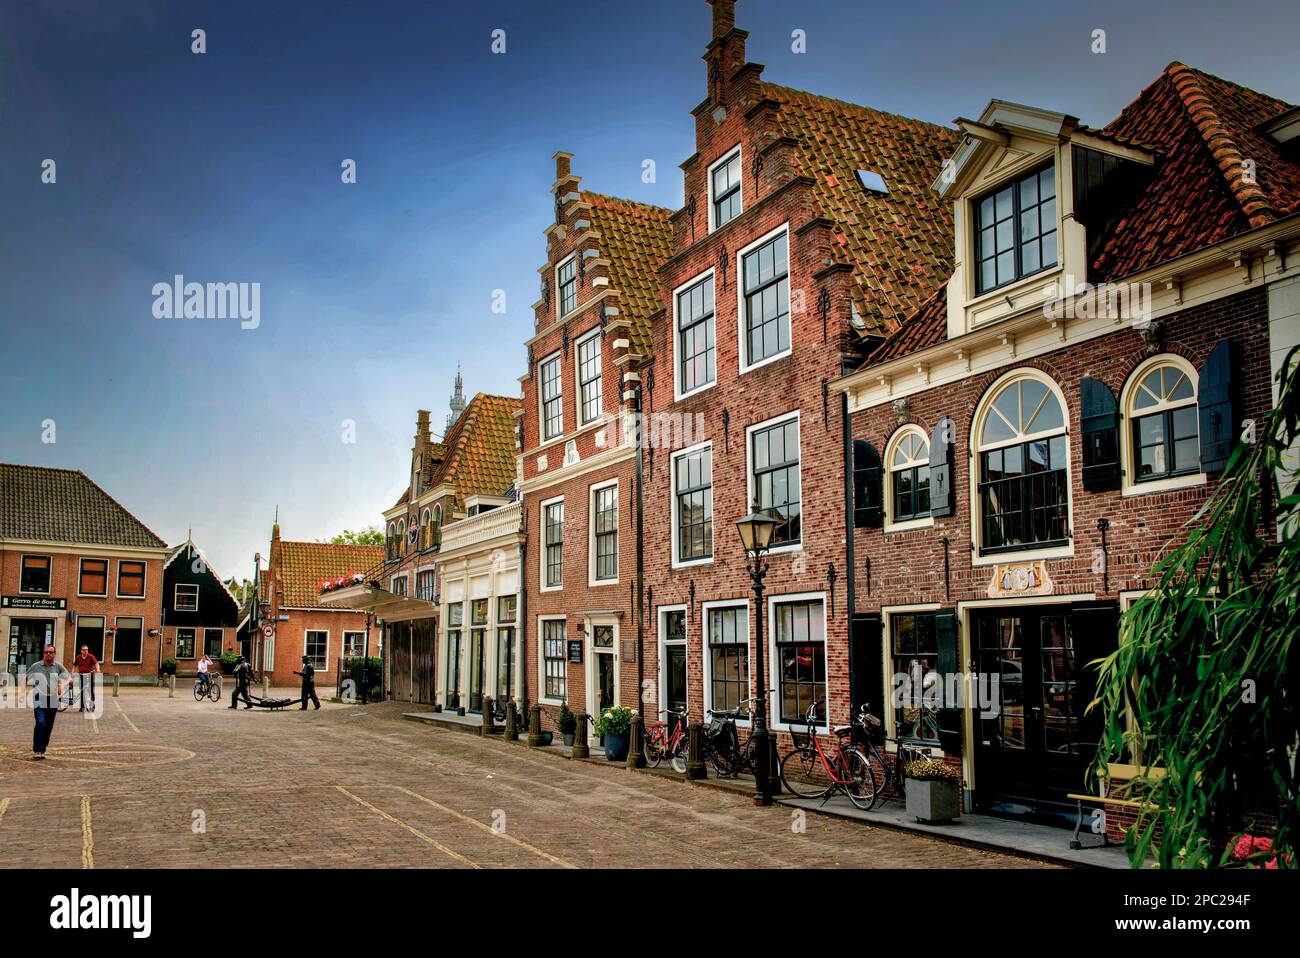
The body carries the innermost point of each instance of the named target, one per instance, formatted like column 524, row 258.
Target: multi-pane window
column 128, row 640
column 506, row 608
column 478, row 612
column 589, row 379
column 914, row 652
column 187, row 597
column 424, row 583
column 725, row 186
column 801, row 659
column 552, row 401
column 184, row 643
column 354, row 644
column 728, row 638
column 1016, row 229
column 766, row 281
column 693, row 487
column 1166, row 434
column 909, row 477
column 35, row 574
column 455, row 616
column 695, row 336
column 567, row 281
column 775, row 457
column 554, row 673
column 399, row 585
column 553, row 543
column 1024, row 495
column 130, row 579
column 316, row 646
column 212, row 639
column 605, row 530
column 94, row 577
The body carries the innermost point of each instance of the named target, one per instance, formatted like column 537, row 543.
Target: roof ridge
column 837, row 101
column 134, row 517
column 624, row 199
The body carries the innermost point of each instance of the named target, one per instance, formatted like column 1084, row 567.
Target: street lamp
column 756, row 531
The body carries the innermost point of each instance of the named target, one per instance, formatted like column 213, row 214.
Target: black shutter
column 945, row 630
column 867, row 476
column 1099, row 428
column 1218, row 418
column 868, row 680
column 942, row 501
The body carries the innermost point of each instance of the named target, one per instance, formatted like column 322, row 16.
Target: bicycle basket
column 713, row 731
column 801, row 739
column 875, row 729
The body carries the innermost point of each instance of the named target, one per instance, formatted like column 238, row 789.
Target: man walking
column 243, row 678
column 86, row 665
column 47, row 680
column 308, row 683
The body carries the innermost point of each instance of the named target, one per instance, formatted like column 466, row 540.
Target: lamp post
column 756, row 531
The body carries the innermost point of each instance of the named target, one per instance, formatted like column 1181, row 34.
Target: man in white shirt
column 47, row 679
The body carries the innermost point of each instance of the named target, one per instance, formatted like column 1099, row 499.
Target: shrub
column 168, row 667
column 615, row 721
column 568, row 724
column 932, row 770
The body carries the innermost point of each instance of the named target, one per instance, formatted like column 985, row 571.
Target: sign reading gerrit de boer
column 33, row 602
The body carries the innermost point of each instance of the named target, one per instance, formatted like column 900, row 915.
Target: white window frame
column 736, row 152
column 194, row 640
column 117, row 583
column 911, row 429
column 749, row 475
column 541, row 540
column 541, row 658
column 578, row 343
column 144, row 634
column 773, row 705
column 49, row 571
column 222, row 644
column 742, row 340
column 677, row 562
column 359, row 633
column 887, row 659
column 977, row 427
column 571, row 258
column 326, row 633
column 541, row 398
column 81, row 564
column 392, row 585
column 1129, row 486
column 707, row 668
column 711, row 275
column 663, row 643
column 592, row 492
column 176, row 597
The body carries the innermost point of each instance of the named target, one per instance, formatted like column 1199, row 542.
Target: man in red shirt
column 86, row 665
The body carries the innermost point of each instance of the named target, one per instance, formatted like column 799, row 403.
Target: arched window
column 426, row 531
column 437, row 525
column 1023, row 454
column 908, row 458
column 392, row 540
column 401, row 536
column 1160, row 408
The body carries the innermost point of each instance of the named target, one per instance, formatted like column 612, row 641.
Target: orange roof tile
column 637, row 238
column 480, row 447
column 303, row 565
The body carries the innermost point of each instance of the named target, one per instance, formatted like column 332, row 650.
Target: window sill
column 1189, row 481
column 766, row 362
column 1024, row 555
column 698, row 390
column 908, row 524
column 692, row 563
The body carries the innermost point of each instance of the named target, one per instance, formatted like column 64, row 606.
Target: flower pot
column 932, row 801
column 548, row 737
column 616, row 746
column 567, row 738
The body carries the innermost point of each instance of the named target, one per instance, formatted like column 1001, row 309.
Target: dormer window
column 725, row 197
column 1016, row 230
column 566, row 281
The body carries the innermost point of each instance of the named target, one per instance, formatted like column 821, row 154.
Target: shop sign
column 575, row 651
column 33, row 602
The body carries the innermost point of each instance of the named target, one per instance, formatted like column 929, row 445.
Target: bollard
column 266, row 686
column 171, row 686
column 694, row 751
column 117, row 683
column 511, row 733
column 486, row 730
column 580, row 747
column 635, row 753
column 535, row 727
column 773, row 767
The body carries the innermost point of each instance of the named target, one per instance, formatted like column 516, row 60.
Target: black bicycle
column 885, row 771
column 722, row 745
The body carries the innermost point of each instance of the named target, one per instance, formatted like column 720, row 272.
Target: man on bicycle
column 205, row 678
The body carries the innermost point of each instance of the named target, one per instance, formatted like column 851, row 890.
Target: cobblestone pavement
column 159, row 782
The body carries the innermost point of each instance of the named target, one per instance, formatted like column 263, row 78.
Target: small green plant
column 168, row 667
column 568, row 724
column 614, row 721
column 228, row 657
column 932, row 770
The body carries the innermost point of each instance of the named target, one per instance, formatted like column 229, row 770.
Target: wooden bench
column 1115, row 772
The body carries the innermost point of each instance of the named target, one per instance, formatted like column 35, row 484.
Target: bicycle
column 884, row 774
column 662, row 742
column 212, row 690
column 809, row 771
column 722, row 743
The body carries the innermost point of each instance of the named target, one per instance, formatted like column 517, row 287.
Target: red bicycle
column 667, row 740
column 810, row 771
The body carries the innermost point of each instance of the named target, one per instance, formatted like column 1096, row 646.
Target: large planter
column 568, row 737
column 616, row 746
column 932, row 801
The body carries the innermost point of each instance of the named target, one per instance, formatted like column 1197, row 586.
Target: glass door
column 476, row 670
column 505, row 666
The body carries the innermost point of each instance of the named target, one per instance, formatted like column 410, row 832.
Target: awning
column 384, row 605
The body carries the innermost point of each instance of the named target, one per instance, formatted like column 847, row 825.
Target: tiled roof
column 302, row 566
column 637, row 238
column 900, row 243
column 927, row 326
column 1204, row 130
column 64, row 505
column 480, row 447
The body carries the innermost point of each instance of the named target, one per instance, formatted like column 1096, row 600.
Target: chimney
column 562, row 161
column 726, row 51
column 724, row 17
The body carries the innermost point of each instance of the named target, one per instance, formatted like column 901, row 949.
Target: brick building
column 76, row 569
column 1025, row 446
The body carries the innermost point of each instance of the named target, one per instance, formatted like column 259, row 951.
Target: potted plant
column 614, row 725
column 568, row 724
column 931, row 789
column 168, row 667
column 228, row 662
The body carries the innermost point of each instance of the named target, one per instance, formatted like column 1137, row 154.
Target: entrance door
column 476, row 670
column 1039, row 745
column 505, row 667
column 27, row 637
column 602, row 690
column 676, row 681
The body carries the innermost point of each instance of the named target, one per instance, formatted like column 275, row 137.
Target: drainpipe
column 640, row 551
column 849, row 555
column 523, row 609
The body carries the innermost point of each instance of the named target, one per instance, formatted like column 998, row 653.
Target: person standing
column 86, row 665
column 243, row 678
column 47, row 680
column 308, row 683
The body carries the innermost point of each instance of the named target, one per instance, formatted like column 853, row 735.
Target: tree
column 362, row 537
column 1196, row 695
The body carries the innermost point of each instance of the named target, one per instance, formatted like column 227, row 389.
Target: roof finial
column 457, row 401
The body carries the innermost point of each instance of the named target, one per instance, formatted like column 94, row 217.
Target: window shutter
column 868, row 664
column 867, row 480
column 1099, row 428
column 945, row 629
column 942, row 502
column 1217, row 416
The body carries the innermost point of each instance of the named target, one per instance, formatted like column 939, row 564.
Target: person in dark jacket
column 308, row 683
column 243, row 678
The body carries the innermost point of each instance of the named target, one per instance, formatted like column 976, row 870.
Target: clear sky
column 225, row 167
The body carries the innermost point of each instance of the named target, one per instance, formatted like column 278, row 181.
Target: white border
column 326, row 669
column 49, row 571
column 117, row 588
column 675, row 352
column 678, row 563
column 773, row 703
column 541, row 658
column 592, row 581
column 735, row 151
column 578, row 343
column 144, row 633
column 661, row 686
column 541, row 545
column 742, row 341
column 749, row 474
column 82, row 560
column 706, row 668
column 176, row 596
column 542, row 438
column 890, row 525
column 1129, row 486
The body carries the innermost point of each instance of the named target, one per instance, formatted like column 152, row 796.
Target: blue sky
column 226, row 167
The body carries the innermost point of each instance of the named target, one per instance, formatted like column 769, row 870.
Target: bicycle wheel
column 723, row 761
column 214, row 689
column 880, row 774
column 862, row 790
column 199, row 694
column 804, row 773
column 652, row 749
column 679, row 759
